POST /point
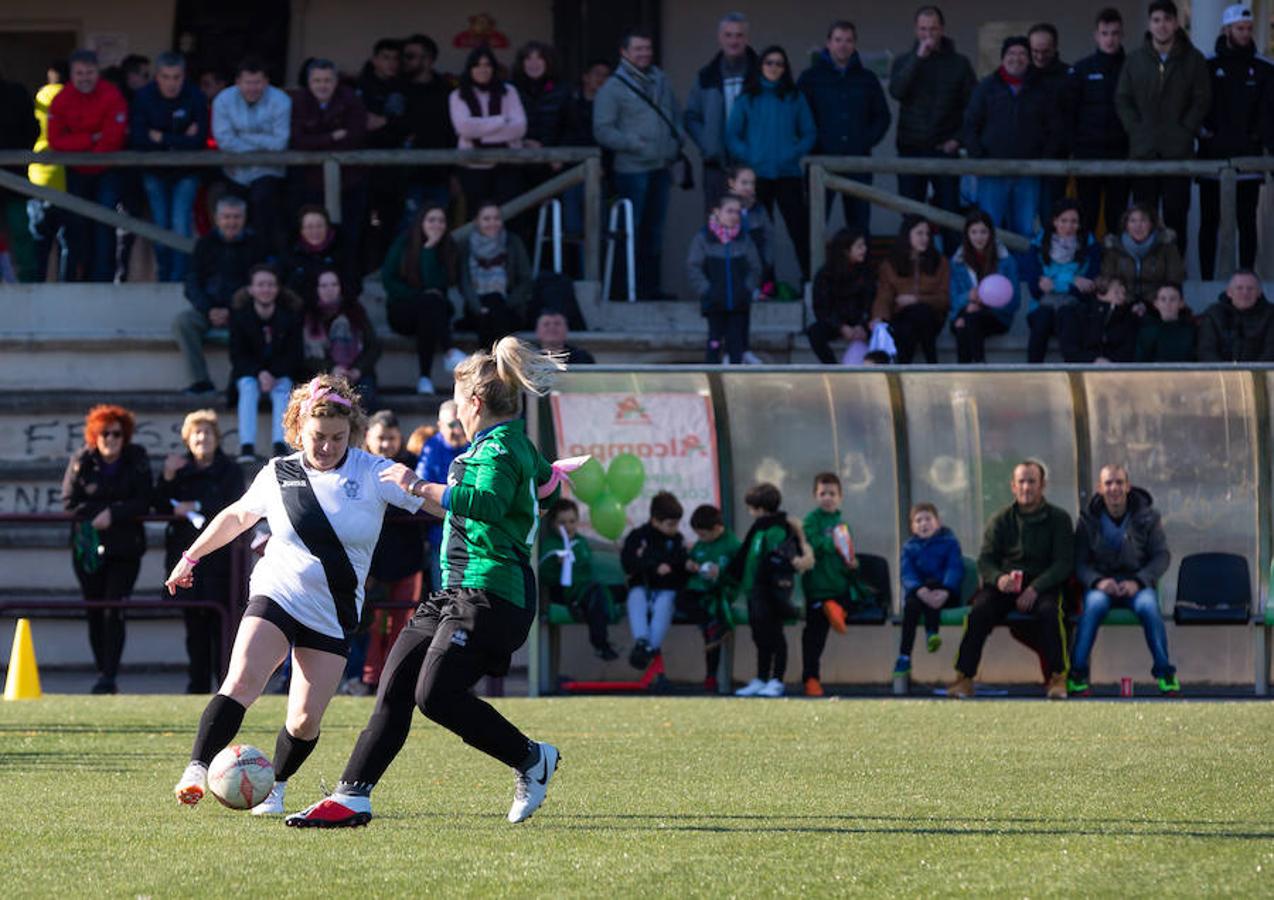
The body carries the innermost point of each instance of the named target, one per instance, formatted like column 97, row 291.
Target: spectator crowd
column 1092, row 274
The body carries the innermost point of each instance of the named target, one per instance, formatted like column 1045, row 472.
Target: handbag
column 687, row 180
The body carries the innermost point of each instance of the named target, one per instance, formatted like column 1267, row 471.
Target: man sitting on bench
column 1120, row 554
column 1027, row 554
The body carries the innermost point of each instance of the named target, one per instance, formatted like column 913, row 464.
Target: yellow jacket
column 39, row 173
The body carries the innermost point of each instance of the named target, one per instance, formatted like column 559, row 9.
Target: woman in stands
column 912, row 291
column 195, row 486
column 495, row 277
column 419, row 270
column 106, row 488
column 324, row 506
column 980, row 254
column 486, row 113
column 485, row 609
column 318, row 247
column 337, row 336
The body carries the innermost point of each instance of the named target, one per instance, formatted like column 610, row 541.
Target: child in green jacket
column 773, row 551
column 709, row 594
column 566, row 575
column 833, row 583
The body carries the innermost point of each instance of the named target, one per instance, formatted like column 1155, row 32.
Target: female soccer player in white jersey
column 486, row 606
column 325, row 506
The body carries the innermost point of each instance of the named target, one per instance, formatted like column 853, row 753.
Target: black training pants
column 991, row 607
column 455, row 638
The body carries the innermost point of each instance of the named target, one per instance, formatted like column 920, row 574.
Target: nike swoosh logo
column 544, row 779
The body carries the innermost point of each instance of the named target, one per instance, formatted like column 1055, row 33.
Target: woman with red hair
column 107, row 487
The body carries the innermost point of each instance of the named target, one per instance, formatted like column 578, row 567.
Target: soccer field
column 668, row 797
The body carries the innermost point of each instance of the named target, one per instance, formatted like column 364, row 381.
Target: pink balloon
column 995, row 291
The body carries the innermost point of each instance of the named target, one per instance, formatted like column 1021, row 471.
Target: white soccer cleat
column 751, row 689
column 530, row 787
column 772, row 688
column 190, row 789
column 272, row 805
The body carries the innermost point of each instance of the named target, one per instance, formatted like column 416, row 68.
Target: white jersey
column 354, row 499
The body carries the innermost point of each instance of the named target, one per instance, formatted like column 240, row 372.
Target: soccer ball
column 240, row 776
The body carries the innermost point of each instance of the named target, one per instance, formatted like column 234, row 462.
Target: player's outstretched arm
column 227, row 525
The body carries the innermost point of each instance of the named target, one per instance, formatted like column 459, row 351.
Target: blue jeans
column 172, row 203
column 250, row 396
column 1011, row 202
column 649, row 193
column 1145, row 603
column 91, row 245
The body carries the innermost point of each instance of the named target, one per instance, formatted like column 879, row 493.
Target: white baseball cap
column 1236, row 12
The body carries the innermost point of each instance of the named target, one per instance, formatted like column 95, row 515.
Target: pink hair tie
column 561, row 470
column 320, row 392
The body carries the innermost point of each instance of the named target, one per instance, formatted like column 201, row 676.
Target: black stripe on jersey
column 456, row 553
column 313, row 528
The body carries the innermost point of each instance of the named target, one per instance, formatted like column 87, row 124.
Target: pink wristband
column 191, row 561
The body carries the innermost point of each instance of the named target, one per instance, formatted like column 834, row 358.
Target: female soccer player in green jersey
column 487, row 604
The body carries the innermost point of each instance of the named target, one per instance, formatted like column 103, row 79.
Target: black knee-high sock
column 290, row 752
column 217, row 727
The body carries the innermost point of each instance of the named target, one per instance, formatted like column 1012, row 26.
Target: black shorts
column 298, row 635
column 476, row 623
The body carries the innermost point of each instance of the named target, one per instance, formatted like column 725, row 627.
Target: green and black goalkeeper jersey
column 493, row 514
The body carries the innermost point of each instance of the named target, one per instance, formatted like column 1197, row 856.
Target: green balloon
column 588, row 482
column 608, row 516
column 625, row 477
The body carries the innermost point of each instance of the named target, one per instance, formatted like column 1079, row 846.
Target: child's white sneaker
column 772, row 688
column 751, row 689
column 272, row 805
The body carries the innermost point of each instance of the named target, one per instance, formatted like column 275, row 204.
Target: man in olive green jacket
column 1164, row 93
column 1027, row 555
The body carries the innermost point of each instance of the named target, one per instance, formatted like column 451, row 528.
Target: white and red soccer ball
column 240, row 776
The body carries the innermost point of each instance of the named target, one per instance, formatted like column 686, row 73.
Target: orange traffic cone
column 23, row 680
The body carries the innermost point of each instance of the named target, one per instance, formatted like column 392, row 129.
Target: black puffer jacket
column 1090, row 329
column 1053, row 80
column 932, row 94
column 1230, row 335
column 844, row 300
column 1163, row 103
column 87, row 489
column 1001, row 124
column 546, row 102
column 1096, row 132
column 1142, row 556
column 1241, row 81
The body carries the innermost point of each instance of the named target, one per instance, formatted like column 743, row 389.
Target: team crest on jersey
column 351, row 489
column 460, row 637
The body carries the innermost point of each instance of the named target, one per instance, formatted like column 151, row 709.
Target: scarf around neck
column 488, row 262
column 1062, row 249
column 724, row 235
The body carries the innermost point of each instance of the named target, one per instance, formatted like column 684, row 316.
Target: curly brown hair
column 301, row 407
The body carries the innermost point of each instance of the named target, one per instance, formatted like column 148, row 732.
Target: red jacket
column 74, row 117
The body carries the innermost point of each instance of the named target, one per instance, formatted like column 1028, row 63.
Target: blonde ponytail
column 500, row 377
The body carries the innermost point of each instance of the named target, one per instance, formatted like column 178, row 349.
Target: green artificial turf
column 669, row 797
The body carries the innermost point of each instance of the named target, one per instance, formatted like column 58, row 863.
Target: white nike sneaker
column 272, row 805
column 751, row 689
column 425, row 385
column 530, row 787
column 453, row 358
column 751, row 359
column 190, row 789
column 772, row 688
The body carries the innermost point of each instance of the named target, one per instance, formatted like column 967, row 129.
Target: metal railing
column 827, row 173
column 584, row 166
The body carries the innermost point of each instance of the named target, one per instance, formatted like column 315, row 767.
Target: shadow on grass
column 75, row 760
column 760, row 823
column 902, row 825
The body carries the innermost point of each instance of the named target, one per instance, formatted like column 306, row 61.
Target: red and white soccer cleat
column 336, row 811
column 190, row 789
